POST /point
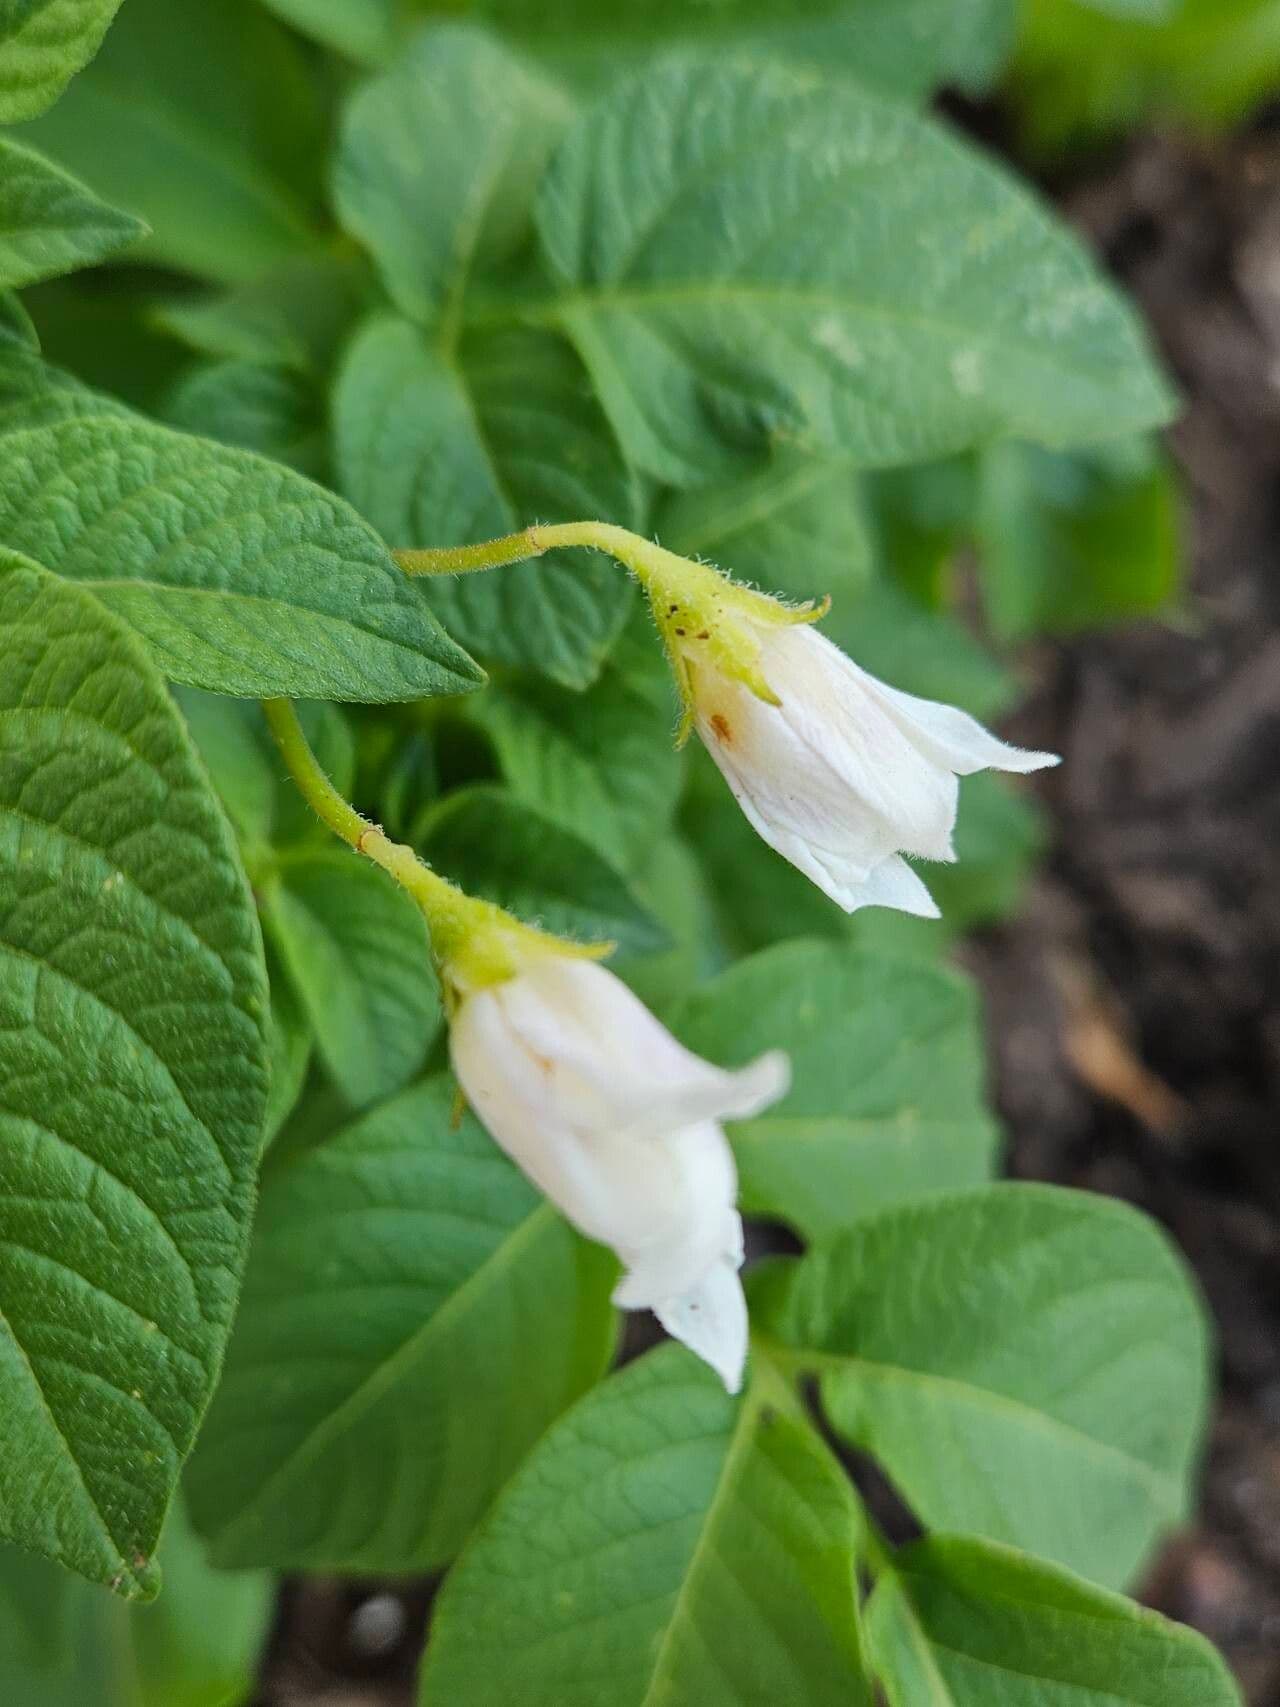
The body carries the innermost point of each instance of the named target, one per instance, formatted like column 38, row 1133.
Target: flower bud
column 619, row 1125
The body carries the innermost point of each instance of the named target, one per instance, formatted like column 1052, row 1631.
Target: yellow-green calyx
column 495, row 946
column 475, row 943
column 708, row 621
column 705, row 619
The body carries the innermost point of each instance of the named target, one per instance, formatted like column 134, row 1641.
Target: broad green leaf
column 16, row 324
column 132, row 1058
column 296, row 315
column 437, row 449
column 234, row 744
column 289, row 1040
column 38, row 1623
column 210, row 129
column 796, row 525
column 601, row 763
column 498, row 846
column 362, row 29
column 106, row 337
column 673, row 885
column 746, row 253
column 356, row 948
column 414, row 1316
column 50, row 223
column 887, row 1072
column 1027, row 1363
column 486, row 123
column 241, row 576
column 199, row 1644
column 663, row 1544
column 274, row 411
column 1142, row 11
column 903, row 46
column 1081, row 75
column 43, row 43
column 1066, row 540
column 963, row 1623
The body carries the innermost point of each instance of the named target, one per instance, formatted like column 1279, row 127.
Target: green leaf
column 43, row 43
column 795, row 525
column 674, row 887
column 601, row 763
column 665, row 1543
column 500, row 847
column 962, row 1623
column 362, row 29
column 16, row 324
column 887, row 1070
column 211, row 131
column 272, row 410
column 102, row 333
column 241, row 576
column 38, row 1606
column 289, row 1040
column 297, row 315
column 199, row 1645
column 50, row 222
column 1067, row 540
column 1081, row 76
column 1025, row 1362
column 746, row 253
column 439, row 449
column 405, row 1282
column 357, row 950
column 904, row 46
column 134, row 1078
column 486, row 122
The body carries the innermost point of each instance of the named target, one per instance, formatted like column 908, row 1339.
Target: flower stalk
column 475, row 943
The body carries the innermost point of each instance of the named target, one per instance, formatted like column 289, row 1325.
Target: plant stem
column 642, row 557
column 450, row 914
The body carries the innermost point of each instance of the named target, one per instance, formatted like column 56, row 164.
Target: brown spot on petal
column 722, row 729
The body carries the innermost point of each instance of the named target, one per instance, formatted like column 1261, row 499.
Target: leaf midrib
column 740, row 1441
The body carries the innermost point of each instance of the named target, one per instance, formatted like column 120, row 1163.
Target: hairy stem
column 451, row 915
column 642, row 557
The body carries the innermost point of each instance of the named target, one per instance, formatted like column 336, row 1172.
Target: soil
column 1135, row 1005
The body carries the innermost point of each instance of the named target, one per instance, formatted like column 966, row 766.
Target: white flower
column 619, row 1125
column 843, row 775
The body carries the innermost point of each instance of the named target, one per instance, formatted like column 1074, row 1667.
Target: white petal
column 619, row 1064
column 895, row 884
column 565, row 1100
column 955, row 739
column 711, row 1319
column 828, row 768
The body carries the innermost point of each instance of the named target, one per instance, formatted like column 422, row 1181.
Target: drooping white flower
column 838, row 772
column 619, row 1125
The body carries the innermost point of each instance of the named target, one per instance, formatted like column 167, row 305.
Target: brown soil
column 1135, row 1007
